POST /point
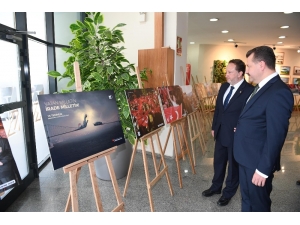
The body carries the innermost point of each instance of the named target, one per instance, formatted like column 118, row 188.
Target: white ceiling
column 252, row 28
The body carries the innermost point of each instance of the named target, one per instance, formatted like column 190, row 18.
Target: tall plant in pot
column 103, row 66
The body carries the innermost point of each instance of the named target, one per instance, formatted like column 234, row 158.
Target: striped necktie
column 254, row 92
column 228, row 97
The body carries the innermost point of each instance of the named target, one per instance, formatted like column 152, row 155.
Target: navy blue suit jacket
column 225, row 120
column 262, row 127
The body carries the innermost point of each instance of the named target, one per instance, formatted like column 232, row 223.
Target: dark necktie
column 228, row 97
column 254, row 92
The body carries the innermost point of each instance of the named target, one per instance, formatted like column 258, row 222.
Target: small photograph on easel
column 190, row 104
column 145, row 110
column 172, row 103
column 9, row 173
column 80, row 124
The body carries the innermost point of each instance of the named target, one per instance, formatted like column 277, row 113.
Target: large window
column 62, row 22
column 39, row 86
column 8, row 19
column 36, row 22
column 9, row 93
column 24, row 63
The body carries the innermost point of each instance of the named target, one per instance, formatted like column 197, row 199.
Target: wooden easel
column 200, row 121
column 184, row 147
column 204, row 115
column 195, row 133
column 158, row 174
column 74, row 169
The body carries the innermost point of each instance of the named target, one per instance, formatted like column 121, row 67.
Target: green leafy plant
column 102, row 64
column 219, row 71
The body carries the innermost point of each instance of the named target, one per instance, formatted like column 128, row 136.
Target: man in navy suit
column 229, row 104
column 261, row 130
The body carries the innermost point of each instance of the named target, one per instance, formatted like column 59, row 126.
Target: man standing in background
column 229, row 104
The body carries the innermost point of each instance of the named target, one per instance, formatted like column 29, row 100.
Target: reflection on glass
column 13, row 124
column 9, row 65
column 9, row 173
column 39, row 86
column 62, row 21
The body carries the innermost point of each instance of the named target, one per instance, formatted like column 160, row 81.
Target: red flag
column 173, row 113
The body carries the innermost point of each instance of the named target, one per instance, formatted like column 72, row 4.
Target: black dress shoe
column 223, row 201
column 209, row 192
column 298, row 182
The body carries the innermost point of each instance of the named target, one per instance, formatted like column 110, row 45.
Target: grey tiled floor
column 49, row 192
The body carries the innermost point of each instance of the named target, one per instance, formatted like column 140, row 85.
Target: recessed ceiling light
column 279, row 42
column 298, row 51
column 284, row 27
column 192, row 42
column 230, row 40
column 287, row 12
column 225, row 31
column 281, row 36
column 214, row 19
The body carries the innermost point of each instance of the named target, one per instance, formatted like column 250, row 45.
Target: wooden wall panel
column 158, row 29
column 161, row 62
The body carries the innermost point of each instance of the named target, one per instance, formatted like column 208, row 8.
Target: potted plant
column 102, row 64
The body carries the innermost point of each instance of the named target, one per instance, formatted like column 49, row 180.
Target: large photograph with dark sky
column 80, row 124
column 145, row 110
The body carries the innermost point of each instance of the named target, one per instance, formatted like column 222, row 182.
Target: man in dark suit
column 261, row 130
column 229, row 104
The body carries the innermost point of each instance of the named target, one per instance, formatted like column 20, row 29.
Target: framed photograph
column 295, row 80
column 179, row 46
column 285, row 79
column 145, row 110
column 279, row 57
column 296, row 70
column 285, row 70
column 172, row 102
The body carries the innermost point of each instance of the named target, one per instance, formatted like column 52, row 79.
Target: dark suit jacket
column 225, row 120
column 262, row 127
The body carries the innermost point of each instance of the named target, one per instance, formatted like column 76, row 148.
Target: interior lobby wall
column 202, row 60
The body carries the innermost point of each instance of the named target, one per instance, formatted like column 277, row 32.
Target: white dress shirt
column 236, row 86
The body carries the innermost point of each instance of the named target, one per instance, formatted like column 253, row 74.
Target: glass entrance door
column 15, row 115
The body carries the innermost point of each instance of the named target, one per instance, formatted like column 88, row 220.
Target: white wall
column 192, row 58
column 137, row 35
column 180, row 61
column 209, row 53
